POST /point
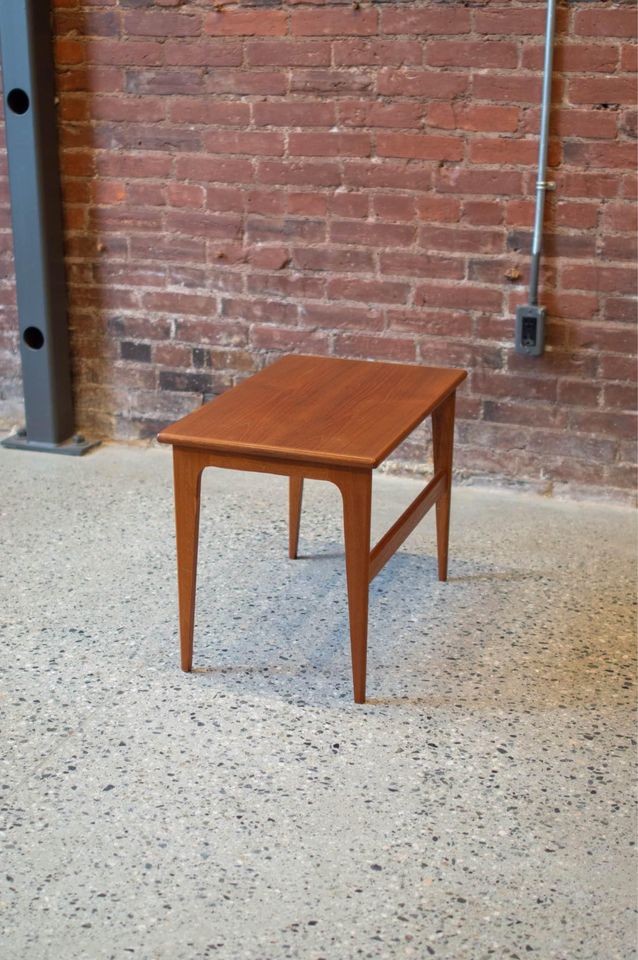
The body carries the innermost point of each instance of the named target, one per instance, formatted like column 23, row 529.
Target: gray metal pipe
column 541, row 184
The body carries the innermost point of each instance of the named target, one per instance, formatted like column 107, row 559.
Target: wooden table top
column 319, row 409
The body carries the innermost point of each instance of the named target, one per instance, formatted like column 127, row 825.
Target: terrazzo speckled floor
column 479, row 806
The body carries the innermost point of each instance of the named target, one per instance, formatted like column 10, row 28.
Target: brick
column 291, row 114
column 479, row 55
column 574, row 57
column 185, row 195
column 329, row 145
column 330, row 82
column 333, row 260
column 210, row 170
column 223, row 199
column 459, row 240
column 162, row 82
column 147, row 53
column 136, row 352
column 334, row 22
column 208, row 53
column 184, row 382
column 372, row 234
column 365, row 113
column 601, row 279
column 496, row 182
column 483, row 213
column 241, row 83
column 123, row 108
column 607, row 424
column 629, row 58
column 438, row 209
column 573, row 183
column 619, row 248
column 497, row 384
column 283, row 285
column 414, row 146
column 577, row 215
column 307, row 204
column 394, row 207
column 331, row 317
column 376, row 52
column 501, row 150
column 603, row 337
column 303, row 172
column 179, row 303
column 422, row 265
column 431, row 323
column 287, row 53
column 628, row 127
column 371, row 347
column 245, row 142
column 207, row 331
column 606, row 23
column 355, row 205
column 602, row 90
column 618, row 368
column 246, row 23
column 555, row 244
column 455, row 116
column 591, row 124
column 430, row 22
column 259, row 311
column 205, row 111
column 274, row 257
column 266, row 202
column 421, row 83
column 264, row 230
column 621, row 396
column 368, row 291
column 266, row 337
column 161, row 23
column 509, row 88
column 620, row 309
column 462, row 297
column 508, row 21
column 604, row 155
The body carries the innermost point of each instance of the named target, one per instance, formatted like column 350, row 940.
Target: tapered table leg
column 294, row 514
column 187, row 471
column 443, row 446
column 356, row 490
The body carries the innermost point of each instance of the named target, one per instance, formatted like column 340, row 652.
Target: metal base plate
column 70, row 448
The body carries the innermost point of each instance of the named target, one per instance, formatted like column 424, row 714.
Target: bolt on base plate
column 75, row 446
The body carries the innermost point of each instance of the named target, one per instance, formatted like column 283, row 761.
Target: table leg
column 356, row 490
column 294, row 515
column 443, row 445
column 187, row 472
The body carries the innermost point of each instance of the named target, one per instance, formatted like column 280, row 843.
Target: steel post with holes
column 36, row 209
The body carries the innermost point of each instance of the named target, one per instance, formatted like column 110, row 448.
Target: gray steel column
column 36, row 210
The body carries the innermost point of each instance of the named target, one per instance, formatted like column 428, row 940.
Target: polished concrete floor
column 479, row 806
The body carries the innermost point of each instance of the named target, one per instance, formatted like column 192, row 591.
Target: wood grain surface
column 320, row 409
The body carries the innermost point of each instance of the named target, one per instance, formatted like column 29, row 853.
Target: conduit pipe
column 530, row 318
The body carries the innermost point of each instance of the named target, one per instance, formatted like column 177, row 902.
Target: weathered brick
column 606, row 22
column 334, row 22
column 247, row 23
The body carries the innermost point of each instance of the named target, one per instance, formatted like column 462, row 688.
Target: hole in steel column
column 18, row 100
column 33, row 337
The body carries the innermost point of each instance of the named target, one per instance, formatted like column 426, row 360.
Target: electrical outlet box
column 530, row 330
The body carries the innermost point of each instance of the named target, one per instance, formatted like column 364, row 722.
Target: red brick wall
column 244, row 179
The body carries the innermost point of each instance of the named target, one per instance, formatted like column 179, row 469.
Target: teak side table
column 324, row 419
